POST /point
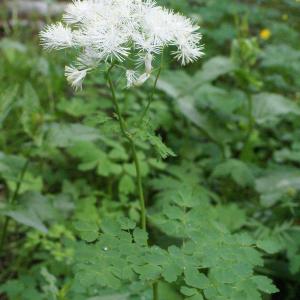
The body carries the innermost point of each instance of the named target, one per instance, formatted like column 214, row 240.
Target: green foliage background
column 220, row 160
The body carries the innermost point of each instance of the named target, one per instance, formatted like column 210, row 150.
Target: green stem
column 155, row 290
column 133, row 149
column 150, row 99
column 11, row 201
column 250, row 125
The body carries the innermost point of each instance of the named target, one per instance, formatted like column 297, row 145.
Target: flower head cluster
column 113, row 30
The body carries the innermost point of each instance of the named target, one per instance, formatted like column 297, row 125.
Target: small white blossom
column 75, row 77
column 148, row 63
column 117, row 30
column 131, row 78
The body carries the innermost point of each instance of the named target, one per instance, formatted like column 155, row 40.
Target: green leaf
column 33, row 209
column 270, row 245
column 277, row 183
column 148, row 271
column 28, row 218
column 110, row 227
column 126, row 223
column 78, row 107
column 269, row 107
column 188, row 291
column 88, row 230
column 65, row 135
column 181, row 88
column 231, row 215
column 214, row 68
column 126, row 185
column 160, row 147
column 32, row 114
column 265, row 284
column 195, row 279
column 7, row 102
column 140, row 236
column 13, row 288
column 275, row 56
column 237, row 170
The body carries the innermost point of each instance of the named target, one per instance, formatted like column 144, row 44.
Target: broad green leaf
column 214, row 68
column 32, row 117
column 275, row 56
column 65, row 135
column 88, row 230
column 277, row 183
column 33, row 209
column 28, row 218
column 7, row 102
column 269, row 107
column 78, row 107
column 218, row 99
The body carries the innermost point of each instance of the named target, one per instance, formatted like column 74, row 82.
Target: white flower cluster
column 113, row 30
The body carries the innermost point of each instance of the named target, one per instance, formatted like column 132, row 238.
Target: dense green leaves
column 235, row 169
column 219, row 158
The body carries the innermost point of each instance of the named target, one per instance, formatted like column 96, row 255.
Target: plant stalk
column 11, row 201
column 129, row 138
column 155, row 290
column 150, row 99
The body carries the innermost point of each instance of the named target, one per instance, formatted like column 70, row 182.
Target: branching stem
column 129, row 138
column 150, row 99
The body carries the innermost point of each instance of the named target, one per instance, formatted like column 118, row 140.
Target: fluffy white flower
column 114, row 30
column 76, row 12
column 56, row 36
column 75, row 77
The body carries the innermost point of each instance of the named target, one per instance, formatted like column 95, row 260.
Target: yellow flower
column 285, row 17
column 265, row 34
